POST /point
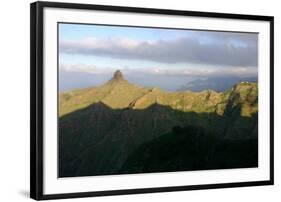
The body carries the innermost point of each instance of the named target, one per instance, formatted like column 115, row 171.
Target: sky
column 153, row 57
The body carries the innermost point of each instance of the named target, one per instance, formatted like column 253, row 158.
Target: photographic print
column 128, row 100
column 143, row 99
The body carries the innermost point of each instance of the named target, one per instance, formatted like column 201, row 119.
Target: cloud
column 213, row 48
column 189, row 71
column 77, row 68
column 85, row 68
column 196, row 72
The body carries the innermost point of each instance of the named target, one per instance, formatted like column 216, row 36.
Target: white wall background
column 14, row 101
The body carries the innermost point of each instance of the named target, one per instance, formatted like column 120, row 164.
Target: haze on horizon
column 166, row 58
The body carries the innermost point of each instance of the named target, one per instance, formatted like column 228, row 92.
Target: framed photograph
column 129, row 100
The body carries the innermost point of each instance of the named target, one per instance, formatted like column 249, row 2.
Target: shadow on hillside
column 99, row 140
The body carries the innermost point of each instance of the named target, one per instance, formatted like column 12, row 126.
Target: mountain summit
column 117, row 76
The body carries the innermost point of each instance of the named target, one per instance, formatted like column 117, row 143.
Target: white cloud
column 211, row 48
column 188, row 71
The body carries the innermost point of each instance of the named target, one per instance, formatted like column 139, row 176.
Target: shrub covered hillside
column 123, row 128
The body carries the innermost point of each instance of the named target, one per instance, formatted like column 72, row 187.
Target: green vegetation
column 120, row 94
column 122, row 128
column 191, row 148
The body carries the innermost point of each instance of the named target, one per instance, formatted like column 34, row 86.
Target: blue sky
column 158, row 54
column 80, row 31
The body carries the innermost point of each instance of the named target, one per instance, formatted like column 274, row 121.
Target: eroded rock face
column 118, row 75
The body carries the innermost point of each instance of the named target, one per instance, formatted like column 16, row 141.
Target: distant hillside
column 102, row 128
column 218, row 84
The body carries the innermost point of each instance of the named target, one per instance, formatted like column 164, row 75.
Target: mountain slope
column 101, row 127
column 118, row 93
column 191, row 148
column 219, row 84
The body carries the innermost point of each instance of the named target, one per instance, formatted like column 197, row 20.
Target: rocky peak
column 117, row 76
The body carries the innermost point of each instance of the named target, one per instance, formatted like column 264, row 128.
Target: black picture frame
column 36, row 99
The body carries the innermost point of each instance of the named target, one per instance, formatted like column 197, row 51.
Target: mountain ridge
column 119, row 93
column 103, row 130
